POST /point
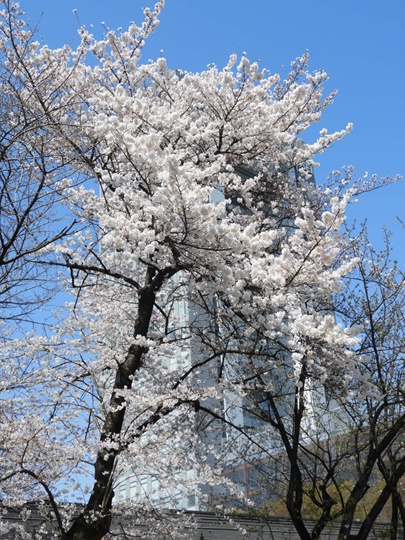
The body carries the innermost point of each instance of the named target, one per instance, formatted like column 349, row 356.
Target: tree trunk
column 394, row 517
column 95, row 520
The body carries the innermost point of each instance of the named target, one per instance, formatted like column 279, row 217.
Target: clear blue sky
column 360, row 43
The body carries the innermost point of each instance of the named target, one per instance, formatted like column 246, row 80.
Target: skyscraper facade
column 224, row 445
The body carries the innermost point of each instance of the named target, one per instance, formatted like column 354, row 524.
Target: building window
column 122, row 490
column 191, row 501
column 132, row 489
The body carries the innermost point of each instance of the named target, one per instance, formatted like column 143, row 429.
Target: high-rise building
column 219, row 441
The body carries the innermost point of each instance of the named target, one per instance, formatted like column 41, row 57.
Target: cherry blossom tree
column 341, row 458
column 376, row 422
column 199, row 230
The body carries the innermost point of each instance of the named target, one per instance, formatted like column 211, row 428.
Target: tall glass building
column 221, row 444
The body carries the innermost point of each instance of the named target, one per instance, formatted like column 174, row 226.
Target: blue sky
column 359, row 43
